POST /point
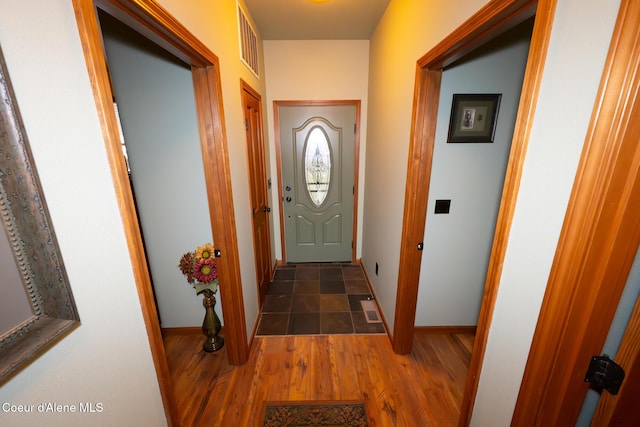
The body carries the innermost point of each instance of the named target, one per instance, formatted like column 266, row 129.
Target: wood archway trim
column 151, row 20
column 495, row 18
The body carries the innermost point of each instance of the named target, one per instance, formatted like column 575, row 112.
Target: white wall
column 215, row 24
column 107, row 358
column 156, row 102
column 316, row 70
column 457, row 246
column 406, row 31
column 569, row 86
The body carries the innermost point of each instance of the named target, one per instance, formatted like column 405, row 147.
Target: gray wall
column 458, row 244
column 155, row 97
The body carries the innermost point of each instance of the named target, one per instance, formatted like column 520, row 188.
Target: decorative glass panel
column 317, row 165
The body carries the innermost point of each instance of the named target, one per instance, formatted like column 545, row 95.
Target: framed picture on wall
column 473, row 117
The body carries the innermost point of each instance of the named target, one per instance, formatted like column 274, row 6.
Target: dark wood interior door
column 258, row 180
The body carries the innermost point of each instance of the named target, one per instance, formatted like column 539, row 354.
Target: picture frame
column 473, row 117
column 34, row 276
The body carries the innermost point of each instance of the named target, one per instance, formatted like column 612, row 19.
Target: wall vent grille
column 248, row 43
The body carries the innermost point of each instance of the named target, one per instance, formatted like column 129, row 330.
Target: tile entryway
column 307, row 299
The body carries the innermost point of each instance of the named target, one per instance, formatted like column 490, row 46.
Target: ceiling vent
column 248, row 43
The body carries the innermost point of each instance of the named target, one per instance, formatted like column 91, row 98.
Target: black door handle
column 266, row 209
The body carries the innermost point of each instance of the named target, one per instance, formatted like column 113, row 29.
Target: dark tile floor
column 306, row 299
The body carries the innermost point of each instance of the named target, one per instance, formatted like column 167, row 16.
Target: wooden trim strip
column 96, row 65
column 431, row 330
column 495, row 18
column 217, row 176
column 356, row 189
column 375, row 298
column 151, row 20
column 597, row 245
column 425, row 110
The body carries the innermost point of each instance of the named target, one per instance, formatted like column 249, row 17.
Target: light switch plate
column 443, row 206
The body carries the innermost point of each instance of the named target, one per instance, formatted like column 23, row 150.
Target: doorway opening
column 468, row 174
column 155, row 23
column 490, row 21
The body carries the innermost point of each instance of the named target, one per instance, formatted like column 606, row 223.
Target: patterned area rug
column 314, row 413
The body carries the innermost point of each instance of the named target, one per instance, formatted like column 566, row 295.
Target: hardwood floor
column 421, row 389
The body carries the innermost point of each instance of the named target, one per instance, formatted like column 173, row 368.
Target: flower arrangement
column 200, row 269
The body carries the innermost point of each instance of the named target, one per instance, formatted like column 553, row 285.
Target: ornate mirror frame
column 27, row 225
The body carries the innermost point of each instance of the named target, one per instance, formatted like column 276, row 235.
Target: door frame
column 495, row 18
column 155, row 23
column 597, row 244
column 356, row 163
column 246, row 88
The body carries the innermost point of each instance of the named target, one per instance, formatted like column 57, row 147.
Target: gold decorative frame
column 26, row 222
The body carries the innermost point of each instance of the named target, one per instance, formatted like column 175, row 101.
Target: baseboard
column 375, row 298
column 426, row 330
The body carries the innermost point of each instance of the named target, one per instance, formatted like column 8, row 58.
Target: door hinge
column 246, row 124
column 604, row 374
column 355, row 128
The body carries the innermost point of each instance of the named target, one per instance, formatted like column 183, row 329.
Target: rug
column 314, row 413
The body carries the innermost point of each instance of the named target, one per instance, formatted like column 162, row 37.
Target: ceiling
column 316, row 19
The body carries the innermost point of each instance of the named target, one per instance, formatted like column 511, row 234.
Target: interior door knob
column 266, row 209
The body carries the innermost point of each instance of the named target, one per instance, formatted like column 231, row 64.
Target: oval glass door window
column 317, row 165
